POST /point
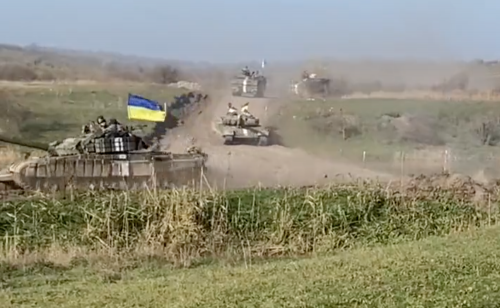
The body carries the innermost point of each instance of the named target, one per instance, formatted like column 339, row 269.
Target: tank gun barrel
column 20, row 142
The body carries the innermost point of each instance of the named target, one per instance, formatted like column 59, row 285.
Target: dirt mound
column 242, row 165
column 457, row 184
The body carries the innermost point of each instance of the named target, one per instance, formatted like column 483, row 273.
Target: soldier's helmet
column 101, row 121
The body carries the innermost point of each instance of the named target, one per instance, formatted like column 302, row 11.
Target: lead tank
column 121, row 162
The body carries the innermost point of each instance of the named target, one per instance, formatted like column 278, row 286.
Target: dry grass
column 184, row 226
column 93, row 248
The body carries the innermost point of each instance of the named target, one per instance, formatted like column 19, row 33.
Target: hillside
column 29, row 63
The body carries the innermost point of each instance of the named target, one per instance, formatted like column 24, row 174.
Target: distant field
column 463, row 135
column 59, row 110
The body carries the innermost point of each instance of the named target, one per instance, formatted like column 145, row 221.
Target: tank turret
column 98, row 143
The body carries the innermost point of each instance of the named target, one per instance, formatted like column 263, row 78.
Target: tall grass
column 185, row 225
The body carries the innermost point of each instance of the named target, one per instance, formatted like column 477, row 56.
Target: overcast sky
column 227, row 31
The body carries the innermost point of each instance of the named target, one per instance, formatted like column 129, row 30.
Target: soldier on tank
column 231, row 110
column 85, row 129
column 244, row 115
column 114, row 127
column 245, row 71
column 92, row 127
column 198, row 97
column 101, row 121
column 245, row 110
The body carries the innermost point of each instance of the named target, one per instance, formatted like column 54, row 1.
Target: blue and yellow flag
column 140, row 108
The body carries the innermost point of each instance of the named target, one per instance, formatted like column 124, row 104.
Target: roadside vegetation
column 142, row 241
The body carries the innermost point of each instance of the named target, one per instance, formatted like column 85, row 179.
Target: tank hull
column 249, row 87
column 91, row 171
column 311, row 88
column 233, row 135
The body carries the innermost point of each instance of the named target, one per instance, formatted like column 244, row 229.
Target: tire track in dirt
column 239, row 166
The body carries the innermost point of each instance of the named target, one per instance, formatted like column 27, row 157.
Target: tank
column 236, row 130
column 248, row 86
column 310, row 88
column 93, row 161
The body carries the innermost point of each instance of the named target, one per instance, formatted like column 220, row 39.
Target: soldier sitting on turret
column 93, row 127
column 231, row 110
column 245, row 71
column 114, row 127
column 101, row 121
column 85, row 129
column 245, row 114
column 245, row 110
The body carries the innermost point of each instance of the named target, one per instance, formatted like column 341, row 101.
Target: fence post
column 402, row 162
column 364, row 159
column 445, row 161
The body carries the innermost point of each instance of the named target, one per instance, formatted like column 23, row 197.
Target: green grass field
column 458, row 271
column 383, row 128
column 343, row 246
column 55, row 112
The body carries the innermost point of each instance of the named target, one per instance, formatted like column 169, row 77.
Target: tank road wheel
column 228, row 140
column 262, row 141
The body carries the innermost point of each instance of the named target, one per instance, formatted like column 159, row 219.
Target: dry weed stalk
column 183, row 226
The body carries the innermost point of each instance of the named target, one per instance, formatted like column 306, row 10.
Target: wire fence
column 426, row 161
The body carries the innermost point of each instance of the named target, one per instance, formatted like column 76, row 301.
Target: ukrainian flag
column 140, row 108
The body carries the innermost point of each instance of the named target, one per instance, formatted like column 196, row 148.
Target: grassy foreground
column 458, row 271
column 188, row 226
column 196, row 249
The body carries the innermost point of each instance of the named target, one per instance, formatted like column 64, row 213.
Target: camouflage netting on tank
column 100, row 145
column 114, row 145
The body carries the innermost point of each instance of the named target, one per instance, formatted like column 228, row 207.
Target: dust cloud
column 240, row 166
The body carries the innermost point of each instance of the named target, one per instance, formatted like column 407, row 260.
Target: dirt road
column 243, row 165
